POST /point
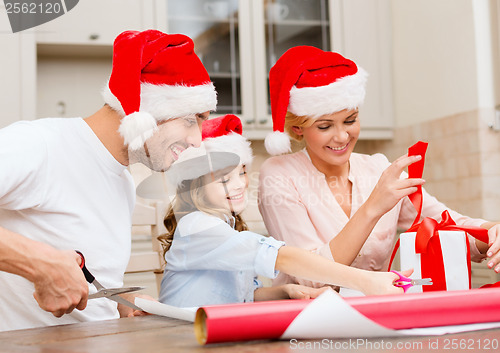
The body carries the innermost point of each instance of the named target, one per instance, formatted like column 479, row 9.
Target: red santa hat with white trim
column 223, row 146
column 155, row 77
column 308, row 81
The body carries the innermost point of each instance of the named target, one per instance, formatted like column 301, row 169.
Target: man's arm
column 59, row 283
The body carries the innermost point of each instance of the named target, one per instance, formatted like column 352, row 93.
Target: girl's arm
column 304, row 264
column 287, row 291
column 389, row 190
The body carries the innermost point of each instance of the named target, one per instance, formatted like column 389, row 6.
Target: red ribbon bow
column 426, row 244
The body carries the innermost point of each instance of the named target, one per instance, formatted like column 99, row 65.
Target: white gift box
column 455, row 254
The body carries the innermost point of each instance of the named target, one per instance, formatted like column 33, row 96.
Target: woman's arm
column 302, row 263
column 389, row 190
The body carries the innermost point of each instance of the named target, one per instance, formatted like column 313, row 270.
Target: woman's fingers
column 409, row 183
column 402, row 162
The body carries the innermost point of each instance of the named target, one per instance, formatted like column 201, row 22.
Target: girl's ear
column 298, row 130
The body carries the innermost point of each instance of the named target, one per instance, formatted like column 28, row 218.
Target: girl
column 211, row 256
column 327, row 199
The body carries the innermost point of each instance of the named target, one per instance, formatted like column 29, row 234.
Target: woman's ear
column 298, row 130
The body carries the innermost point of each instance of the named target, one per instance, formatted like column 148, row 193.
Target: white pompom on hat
column 155, row 77
column 308, row 81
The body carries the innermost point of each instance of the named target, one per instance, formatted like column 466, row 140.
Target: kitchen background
column 434, row 70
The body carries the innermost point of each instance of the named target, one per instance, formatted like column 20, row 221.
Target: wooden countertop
column 151, row 334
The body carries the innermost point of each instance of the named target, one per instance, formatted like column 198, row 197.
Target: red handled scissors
column 110, row 293
column 406, row 283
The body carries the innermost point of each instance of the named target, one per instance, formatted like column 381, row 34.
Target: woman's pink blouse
column 298, row 208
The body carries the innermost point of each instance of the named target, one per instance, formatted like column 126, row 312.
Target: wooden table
column 151, row 334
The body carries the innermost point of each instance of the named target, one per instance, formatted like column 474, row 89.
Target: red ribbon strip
column 426, row 244
column 416, row 170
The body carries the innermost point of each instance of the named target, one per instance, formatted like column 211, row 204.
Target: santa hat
column 156, row 77
column 223, row 146
column 308, row 81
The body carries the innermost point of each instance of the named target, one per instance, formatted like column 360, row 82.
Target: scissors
column 406, row 283
column 110, row 293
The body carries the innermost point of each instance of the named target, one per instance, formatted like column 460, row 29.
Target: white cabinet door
column 364, row 36
column 221, row 31
column 17, row 73
column 97, row 22
column 278, row 26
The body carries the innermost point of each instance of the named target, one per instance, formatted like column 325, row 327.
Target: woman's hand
column 380, row 283
column 297, row 291
column 493, row 251
column 390, row 189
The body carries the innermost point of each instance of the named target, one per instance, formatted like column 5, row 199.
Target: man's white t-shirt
column 59, row 185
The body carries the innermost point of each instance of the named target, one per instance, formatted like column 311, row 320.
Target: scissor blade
column 422, row 282
column 125, row 302
column 108, row 292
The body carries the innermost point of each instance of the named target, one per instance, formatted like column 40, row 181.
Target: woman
column 325, row 198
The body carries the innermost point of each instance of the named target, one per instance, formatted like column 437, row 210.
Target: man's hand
column 60, row 285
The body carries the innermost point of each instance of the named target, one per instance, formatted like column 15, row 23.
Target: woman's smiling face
column 331, row 139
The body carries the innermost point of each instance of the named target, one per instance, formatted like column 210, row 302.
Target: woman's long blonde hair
column 190, row 197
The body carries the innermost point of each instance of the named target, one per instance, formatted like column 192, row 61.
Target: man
column 64, row 185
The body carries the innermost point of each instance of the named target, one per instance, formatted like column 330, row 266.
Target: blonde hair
column 191, row 197
column 292, row 120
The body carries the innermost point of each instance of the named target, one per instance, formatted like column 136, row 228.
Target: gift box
column 436, row 250
column 442, row 255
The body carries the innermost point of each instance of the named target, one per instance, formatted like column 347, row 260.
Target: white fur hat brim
column 214, row 154
column 166, row 101
column 159, row 103
column 345, row 93
column 232, row 142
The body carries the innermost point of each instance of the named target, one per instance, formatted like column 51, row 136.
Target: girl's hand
column 390, row 189
column 493, row 251
column 125, row 311
column 380, row 283
column 297, row 291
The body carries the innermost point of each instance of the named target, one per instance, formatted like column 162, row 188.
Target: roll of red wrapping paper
column 270, row 319
column 246, row 321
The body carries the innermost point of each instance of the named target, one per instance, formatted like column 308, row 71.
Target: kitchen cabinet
column 97, row 22
column 240, row 40
column 17, row 72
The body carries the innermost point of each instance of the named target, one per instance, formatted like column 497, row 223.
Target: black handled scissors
column 110, row 293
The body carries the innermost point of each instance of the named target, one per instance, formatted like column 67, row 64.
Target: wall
column 434, row 67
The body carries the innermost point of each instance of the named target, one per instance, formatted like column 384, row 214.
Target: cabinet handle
column 263, row 121
column 94, row 36
column 249, row 121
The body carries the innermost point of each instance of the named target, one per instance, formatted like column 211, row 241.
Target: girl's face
column 230, row 191
column 331, row 139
